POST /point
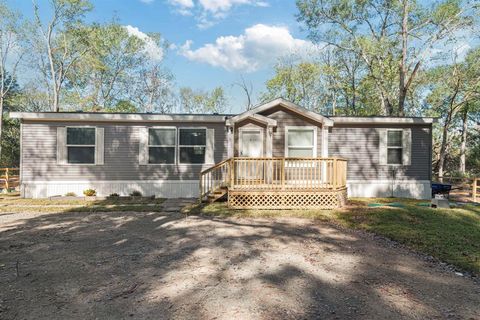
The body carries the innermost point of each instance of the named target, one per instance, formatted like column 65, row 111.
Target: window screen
column 300, row 142
column 192, row 145
column 161, row 145
column 81, row 145
column 394, row 146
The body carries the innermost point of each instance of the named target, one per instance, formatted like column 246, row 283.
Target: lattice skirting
column 328, row 199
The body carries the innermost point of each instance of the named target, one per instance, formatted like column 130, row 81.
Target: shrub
column 114, row 195
column 135, row 193
column 70, row 194
column 90, row 192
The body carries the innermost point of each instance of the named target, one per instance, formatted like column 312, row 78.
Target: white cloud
column 153, row 50
column 209, row 12
column 182, row 3
column 215, row 6
column 259, row 46
column 183, row 7
column 462, row 49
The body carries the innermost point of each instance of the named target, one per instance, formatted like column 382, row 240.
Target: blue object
column 441, row 188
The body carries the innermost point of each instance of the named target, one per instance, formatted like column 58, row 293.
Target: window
column 300, row 142
column 394, row 146
column 192, row 145
column 81, row 145
column 161, row 145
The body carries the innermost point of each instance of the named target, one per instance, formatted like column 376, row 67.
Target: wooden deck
column 277, row 183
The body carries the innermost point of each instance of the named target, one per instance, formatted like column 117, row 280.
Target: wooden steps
column 217, row 194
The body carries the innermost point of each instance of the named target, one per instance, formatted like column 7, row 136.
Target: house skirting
column 419, row 189
column 159, row 188
column 287, row 199
column 189, row 188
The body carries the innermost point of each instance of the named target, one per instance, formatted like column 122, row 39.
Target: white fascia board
column 384, row 120
column 256, row 117
column 114, row 117
column 288, row 105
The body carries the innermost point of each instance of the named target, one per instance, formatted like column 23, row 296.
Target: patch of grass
column 16, row 205
column 451, row 235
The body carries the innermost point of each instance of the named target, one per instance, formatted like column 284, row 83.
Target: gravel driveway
column 132, row 265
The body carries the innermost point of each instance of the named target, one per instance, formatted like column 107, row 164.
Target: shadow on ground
column 158, row 265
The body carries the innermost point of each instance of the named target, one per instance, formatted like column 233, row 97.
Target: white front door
column 251, row 143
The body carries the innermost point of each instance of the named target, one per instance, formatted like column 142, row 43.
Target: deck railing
column 275, row 174
column 214, row 178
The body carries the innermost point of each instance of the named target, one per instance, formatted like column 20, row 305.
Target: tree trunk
column 403, row 61
column 1, row 123
column 53, row 73
column 56, row 106
column 463, row 145
column 444, row 145
column 354, row 95
column 443, row 151
column 385, row 105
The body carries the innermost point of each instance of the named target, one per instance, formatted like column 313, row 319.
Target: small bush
column 70, row 194
column 90, row 192
column 135, row 193
column 114, row 196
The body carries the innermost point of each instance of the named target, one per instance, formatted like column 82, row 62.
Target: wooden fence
column 463, row 189
column 9, row 178
column 475, row 188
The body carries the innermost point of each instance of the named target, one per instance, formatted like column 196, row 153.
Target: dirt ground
column 130, row 265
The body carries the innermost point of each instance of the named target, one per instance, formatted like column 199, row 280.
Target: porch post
column 268, row 142
column 268, row 154
column 324, row 152
column 230, row 141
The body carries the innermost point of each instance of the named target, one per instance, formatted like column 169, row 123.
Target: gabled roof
column 285, row 104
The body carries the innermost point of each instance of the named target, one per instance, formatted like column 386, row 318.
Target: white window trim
column 393, row 147
column 251, row 129
column 80, row 145
column 314, row 128
column 163, row 145
column 179, row 146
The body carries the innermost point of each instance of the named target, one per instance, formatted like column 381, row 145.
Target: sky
column 213, row 42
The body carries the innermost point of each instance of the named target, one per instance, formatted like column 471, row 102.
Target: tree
column 32, row 98
column 154, row 89
column 393, row 38
column 199, row 101
column 106, row 70
column 58, row 43
column 122, row 106
column 118, row 67
column 296, row 81
column 454, row 89
column 334, row 83
column 12, row 49
column 247, row 88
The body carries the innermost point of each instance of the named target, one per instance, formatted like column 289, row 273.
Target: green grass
column 451, row 235
column 15, row 205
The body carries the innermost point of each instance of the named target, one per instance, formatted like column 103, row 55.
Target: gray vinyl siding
column 286, row 118
column 121, row 154
column 359, row 145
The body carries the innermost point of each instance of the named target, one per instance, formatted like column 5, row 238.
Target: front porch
column 277, row 183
